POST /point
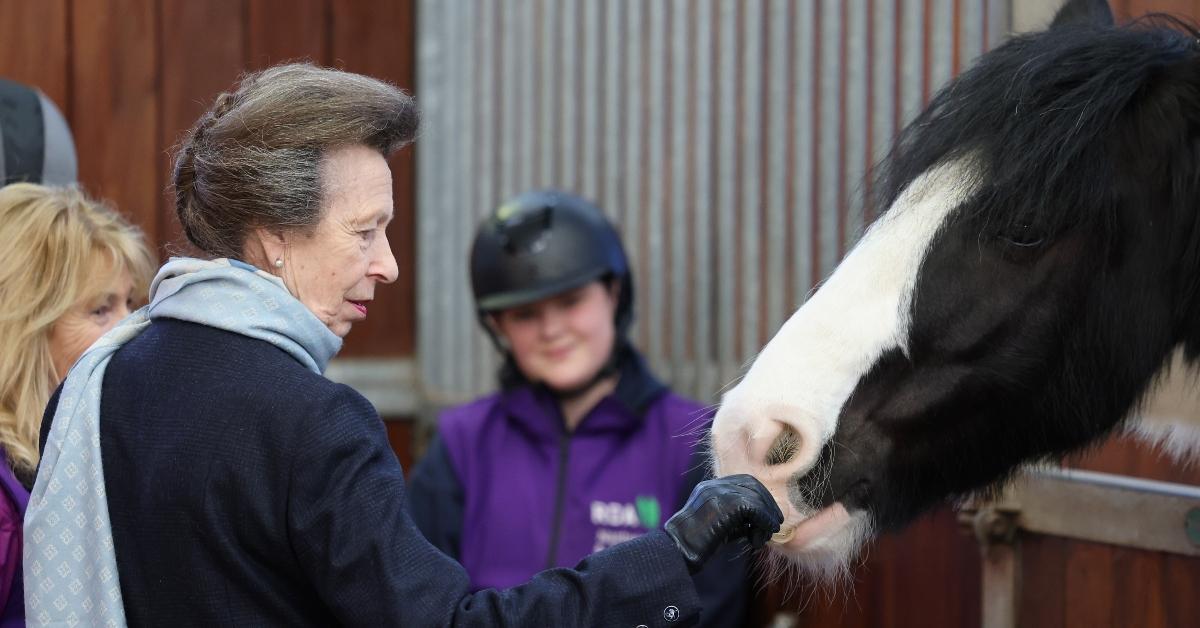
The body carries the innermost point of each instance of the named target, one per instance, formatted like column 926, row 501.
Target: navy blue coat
column 246, row 490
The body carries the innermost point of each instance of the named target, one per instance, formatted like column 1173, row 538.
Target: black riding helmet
column 543, row 243
column 35, row 142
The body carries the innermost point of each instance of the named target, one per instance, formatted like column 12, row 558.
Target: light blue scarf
column 70, row 566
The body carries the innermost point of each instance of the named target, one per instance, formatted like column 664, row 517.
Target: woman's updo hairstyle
column 254, row 159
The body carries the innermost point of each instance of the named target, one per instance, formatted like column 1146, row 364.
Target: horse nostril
column 785, row 447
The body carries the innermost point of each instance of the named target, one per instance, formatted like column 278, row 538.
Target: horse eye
column 1025, row 242
column 1023, row 235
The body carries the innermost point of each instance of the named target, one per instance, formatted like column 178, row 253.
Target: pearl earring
column 278, row 262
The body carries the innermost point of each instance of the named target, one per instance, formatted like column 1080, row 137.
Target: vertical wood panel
column 1088, row 586
column 922, row 577
column 197, row 65
column 1043, row 581
column 378, row 38
column 287, row 30
column 1138, row 590
column 1181, row 581
column 1127, row 9
column 114, row 105
column 34, row 47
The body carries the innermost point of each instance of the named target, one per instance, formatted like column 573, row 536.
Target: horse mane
column 1046, row 116
column 1068, row 128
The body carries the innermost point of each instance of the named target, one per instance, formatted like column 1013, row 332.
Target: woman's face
column 89, row 319
column 564, row 340
column 333, row 270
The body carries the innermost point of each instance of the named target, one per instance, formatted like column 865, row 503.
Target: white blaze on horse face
column 806, row 372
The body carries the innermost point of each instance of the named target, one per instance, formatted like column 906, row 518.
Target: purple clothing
column 13, row 502
column 562, row 496
column 507, row 492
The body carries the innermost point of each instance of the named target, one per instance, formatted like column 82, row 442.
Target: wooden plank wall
column 132, row 75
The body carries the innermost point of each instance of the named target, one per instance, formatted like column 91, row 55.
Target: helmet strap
column 611, row 367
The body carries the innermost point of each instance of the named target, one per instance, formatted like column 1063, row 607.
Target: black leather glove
column 720, row 511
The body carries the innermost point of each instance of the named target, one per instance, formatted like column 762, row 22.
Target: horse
column 1032, row 278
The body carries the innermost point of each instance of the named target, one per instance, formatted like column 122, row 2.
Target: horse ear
column 1094, row 12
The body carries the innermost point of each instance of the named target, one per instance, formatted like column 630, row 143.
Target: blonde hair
column 54, row 239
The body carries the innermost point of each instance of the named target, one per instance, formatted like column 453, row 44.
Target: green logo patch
column 648, row 511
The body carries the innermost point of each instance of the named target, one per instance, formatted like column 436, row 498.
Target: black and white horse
column 1034, row 273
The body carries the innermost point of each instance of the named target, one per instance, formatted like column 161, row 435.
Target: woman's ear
column 493, row 324
column 614, row 290
column 263, row 247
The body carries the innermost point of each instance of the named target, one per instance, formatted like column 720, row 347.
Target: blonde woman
column 70, row 269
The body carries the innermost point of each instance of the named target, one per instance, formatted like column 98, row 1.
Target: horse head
column 1035, row 263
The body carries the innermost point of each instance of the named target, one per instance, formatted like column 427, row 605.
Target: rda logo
column 645, row 514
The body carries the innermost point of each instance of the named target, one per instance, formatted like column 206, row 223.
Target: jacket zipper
column 560, row 490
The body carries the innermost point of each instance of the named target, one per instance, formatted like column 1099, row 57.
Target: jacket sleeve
column 724, row 583
column 349, row 526
column 437, row 500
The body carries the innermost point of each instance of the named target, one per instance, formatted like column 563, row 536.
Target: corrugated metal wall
column 727, row 139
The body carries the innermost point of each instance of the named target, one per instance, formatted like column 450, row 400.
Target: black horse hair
column 1075, row 129
column 1036, row 118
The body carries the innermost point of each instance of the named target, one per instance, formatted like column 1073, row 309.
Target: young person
column 582, row 447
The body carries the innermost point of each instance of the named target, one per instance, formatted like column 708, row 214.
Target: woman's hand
column 720, row 511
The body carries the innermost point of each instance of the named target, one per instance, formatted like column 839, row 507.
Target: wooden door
column 131, row 76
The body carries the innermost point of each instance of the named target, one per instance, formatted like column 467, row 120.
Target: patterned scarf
column 70, row 566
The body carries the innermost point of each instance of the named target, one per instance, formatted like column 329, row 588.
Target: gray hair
column 253, row 160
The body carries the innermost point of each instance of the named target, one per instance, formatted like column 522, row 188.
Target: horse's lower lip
column 805, row 532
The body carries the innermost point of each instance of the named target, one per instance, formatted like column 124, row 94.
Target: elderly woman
column 70, row 268
column 238, row 485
